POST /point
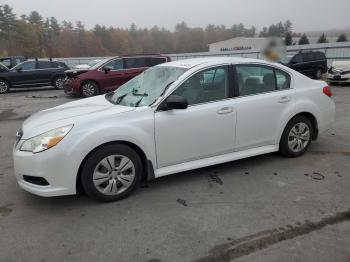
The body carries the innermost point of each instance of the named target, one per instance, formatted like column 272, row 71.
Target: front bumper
column 53, row 165
column 338, row 78
column 71, row 86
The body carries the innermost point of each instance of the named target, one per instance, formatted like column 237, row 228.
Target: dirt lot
column 265, row 208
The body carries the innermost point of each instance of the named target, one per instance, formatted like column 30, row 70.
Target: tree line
column 34, row 36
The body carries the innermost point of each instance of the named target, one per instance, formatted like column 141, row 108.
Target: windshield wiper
column 139, row 101
column 135, row 93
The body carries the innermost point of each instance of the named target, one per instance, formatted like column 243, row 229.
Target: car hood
column 70, row 113
column 76, row 72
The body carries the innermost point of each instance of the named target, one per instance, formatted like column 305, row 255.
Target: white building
column 254, row 43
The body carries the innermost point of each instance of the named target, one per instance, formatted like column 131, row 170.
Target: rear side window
column 153, row 61
column 44, row 65
column 256, row 79
column 136, row 62
column 282, row 80
column 27, row 66
column 309, row 57
column 320, row 56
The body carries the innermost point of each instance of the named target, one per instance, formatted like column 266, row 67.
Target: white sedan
column 173, row 117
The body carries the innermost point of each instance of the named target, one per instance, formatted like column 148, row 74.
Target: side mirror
column 106, row 69
column 174, row 102
column 293, row 62
column 19, row 70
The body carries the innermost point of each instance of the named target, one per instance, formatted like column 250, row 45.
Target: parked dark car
column 312, row 64
column 109, row 74
column 12, row 61
column 33, row 73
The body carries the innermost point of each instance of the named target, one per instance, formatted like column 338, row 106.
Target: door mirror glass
column 175, row 102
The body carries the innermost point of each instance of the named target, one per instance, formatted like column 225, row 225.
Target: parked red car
column 109, row 74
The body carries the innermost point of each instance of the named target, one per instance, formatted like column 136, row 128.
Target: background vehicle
column 109, row 74
column 88, row 65
column 339, row 72
column 174, row 117
column 12, row 61
column 33, row 73
column 312, row 64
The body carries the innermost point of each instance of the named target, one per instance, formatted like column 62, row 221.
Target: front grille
column 36, row 180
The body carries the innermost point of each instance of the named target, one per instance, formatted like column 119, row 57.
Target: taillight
column 327, row 91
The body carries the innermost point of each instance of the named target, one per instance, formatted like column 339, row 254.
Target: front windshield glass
column 286, row 59
column 147, row 87
column 98, row 64
column 93, row 62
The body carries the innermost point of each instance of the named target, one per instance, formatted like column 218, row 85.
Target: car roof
column 207, row 61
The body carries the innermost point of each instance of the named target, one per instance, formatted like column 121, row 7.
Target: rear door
column 264, row 100
column 135, row 66
column 298, row 63
column 44, row 72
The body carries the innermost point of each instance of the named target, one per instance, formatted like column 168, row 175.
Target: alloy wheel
column 299, row 137
column 3, row 86
column 88, row 89
column 59, row 82
column 114, row 174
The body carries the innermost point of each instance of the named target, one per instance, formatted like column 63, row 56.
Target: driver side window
column 116, row 64
column 206, row 86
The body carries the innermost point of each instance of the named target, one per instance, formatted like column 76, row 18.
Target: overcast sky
column 306, row 15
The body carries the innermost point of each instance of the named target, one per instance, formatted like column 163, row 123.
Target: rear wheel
column 4, row 86
column 58, row 82
column 89, row 89
column 296, row 137
column 111, row 172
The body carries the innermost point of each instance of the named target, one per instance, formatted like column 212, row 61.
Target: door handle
column 284, row 99
column 225, row 110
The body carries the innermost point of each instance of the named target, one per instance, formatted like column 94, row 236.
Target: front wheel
column 111, row 173
column 89, row 89
column 4, row 86
column 296, row 137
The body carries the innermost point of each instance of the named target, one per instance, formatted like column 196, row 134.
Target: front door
column 206, row 128
column 115, row 77
column 23, row 75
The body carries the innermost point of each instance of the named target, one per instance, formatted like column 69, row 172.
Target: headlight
column 46, row 140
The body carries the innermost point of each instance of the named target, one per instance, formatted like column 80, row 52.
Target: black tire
column 94, row 160
column 4, row 86
column 284, row 147
column 58, row 82
column 318, row 73
column 89, row 89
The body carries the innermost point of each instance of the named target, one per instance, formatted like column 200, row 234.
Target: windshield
column 285, row 59
column 99, row 63
column 147, row 87
column 94, row 62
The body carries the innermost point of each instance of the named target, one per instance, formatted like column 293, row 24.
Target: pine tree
column 322, row 39
column 288, row 40
column 342, row 38
column 304, row 40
